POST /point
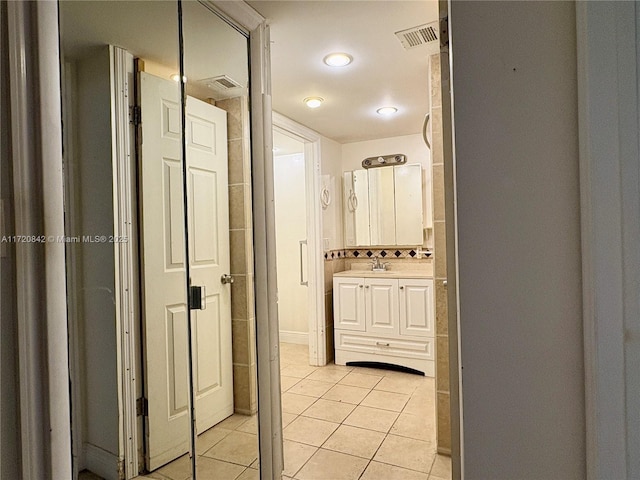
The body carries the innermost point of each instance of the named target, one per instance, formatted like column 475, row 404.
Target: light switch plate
column 325, row 243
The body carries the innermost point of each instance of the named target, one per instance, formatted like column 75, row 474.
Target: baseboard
column 287, row 336
column 101, row 462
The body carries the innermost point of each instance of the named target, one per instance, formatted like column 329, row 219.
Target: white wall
column 412, row 146
column 331, row 170
column 514, row 84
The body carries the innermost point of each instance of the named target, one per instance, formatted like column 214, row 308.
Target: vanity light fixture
column 386, row 111
column 338, row 59
column 313, row 102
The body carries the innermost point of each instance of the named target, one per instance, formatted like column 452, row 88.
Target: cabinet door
column 348, row 303
column 381, row 305
column 416, row 307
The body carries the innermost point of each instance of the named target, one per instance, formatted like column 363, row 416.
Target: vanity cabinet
column 383, row 319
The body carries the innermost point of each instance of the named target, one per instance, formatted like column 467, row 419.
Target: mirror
column 218, row 161
column 126, row 264
column 382, row 214
column 383, row 206
column 133, row 219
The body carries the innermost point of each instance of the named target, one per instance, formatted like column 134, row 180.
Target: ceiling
column 382, row 72
column 302, row 32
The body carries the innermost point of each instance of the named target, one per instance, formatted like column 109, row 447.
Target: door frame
column 608, row 110
column 312, row 154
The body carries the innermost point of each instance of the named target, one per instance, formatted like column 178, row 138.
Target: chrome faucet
column 378, row 266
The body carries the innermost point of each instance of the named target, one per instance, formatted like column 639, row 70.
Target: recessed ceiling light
column 386, row 111
column 313, row 102
column 338, row 59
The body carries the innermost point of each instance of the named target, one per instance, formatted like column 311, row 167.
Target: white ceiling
column 382, row 73
column 302, row 32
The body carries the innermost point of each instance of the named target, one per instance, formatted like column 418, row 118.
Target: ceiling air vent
column 221, row 82
column 418, row 36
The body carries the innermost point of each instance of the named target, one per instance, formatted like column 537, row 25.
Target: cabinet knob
column 367, row 286
column 401, row 287
column 360, row 286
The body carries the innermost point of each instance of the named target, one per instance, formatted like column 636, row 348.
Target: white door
column 348, row 303
column 163, row 266
column 381, row 306
column 207, row 172
column 416, row 307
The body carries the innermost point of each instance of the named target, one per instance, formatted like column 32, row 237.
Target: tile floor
column 340, row 423
column 349, row 423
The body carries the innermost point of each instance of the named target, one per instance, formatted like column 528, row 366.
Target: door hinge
column 444, row 32
column 142, row 407
column 135, row 114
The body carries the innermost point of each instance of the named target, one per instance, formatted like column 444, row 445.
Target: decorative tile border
column 389, row 253
column 335, row 254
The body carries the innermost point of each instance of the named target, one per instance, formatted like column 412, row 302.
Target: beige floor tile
column 311, row 388
column 296, row 404
column 421, row 405
column 298, row 371
column 355, row 379
column 287, row 382
column 250, row 426
column 382, row 471
column 420, row 427
column 248, row 474
column 237, row 447
column 287, row 418
column 386, row 400
column 441, row 468
column 179, row 469
column 407, row 453
column 328, row 465
column 345, row 393
column 428, row 387
column 210, row 469
column 401, row 383
column 153, row 476
column 310, row 431
column 295, row 456
column 329, row 410
column 209, row 438
column 233, row 422
column 371, row 418
column 328, row 374
column 354, row 441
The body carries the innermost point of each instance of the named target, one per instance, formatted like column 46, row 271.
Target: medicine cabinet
column 383, row 206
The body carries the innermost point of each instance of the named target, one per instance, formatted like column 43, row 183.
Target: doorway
column 298, row 207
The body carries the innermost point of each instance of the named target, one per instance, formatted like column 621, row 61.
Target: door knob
column 226, row 278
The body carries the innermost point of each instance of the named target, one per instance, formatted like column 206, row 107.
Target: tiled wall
column 241, row 240
column 440, row 264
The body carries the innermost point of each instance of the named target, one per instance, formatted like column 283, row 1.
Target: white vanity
column 385, row 317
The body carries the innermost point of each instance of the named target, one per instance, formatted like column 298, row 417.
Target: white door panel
column 209, row 250
column 416, row 308
column 381, row 306
column 164, row 273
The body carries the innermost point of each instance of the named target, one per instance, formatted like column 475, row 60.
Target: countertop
column 391, row 273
